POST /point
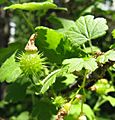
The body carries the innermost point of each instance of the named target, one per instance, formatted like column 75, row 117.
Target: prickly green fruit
column 31, row 63
column 101, row 86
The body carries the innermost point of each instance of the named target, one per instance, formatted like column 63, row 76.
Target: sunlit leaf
column 112, row 46
column 53, row 37
column 10, row 70
column 66, row 23
column 70, row 78
column 109, row 55
column 74, row 64
column 88, row 49
column 75, row 112
column 50, row 1
column 77, row 64
column 87, row 28
column 24, row 115
column 110, row 99
column 49, row 80
column 113, row 33
column 32, row 6
column 7, row 52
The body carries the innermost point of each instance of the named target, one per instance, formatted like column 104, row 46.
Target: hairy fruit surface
column 31, row 63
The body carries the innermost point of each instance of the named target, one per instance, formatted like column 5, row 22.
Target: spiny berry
column 31, row 63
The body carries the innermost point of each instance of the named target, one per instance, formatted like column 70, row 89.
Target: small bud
column 93, row 88
column 82, row 117
column 79, row 97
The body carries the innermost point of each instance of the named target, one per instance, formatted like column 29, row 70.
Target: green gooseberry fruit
column 59, row 100
column 31, row 63
column 101, row 86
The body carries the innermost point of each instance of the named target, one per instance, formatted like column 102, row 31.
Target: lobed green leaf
column 77, row 64
column 109, row 55
column 86, row 29
column 32, row 6
column 75, row 112
column 53, row 37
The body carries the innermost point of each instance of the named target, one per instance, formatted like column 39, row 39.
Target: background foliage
column 75, row 40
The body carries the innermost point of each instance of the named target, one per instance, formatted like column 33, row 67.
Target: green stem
column 33, row 99
column 73, row 98
column 99, row 103
column 111, row 75
column 27, row 21
column 81, row 87
column 31, row 78
column 84, row 47
column 84, row 94
column 39, row 21
column 91, row 46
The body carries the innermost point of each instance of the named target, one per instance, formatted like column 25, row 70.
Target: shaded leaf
column 54, row 45
column 87, row 28
column 17, row 90
column 48, row 42
column 44, row 110
column 7, row 52
column 10, row 70
column 2, row 1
